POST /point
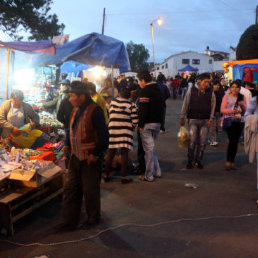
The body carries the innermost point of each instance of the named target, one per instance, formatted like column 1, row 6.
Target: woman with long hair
column 233, row 108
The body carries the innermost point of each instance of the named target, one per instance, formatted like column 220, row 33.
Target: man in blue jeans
column 199, row 106
column 151, row 108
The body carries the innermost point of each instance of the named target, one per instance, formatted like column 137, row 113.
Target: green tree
column 138, row 56
column 29, row 17
column 247, row 47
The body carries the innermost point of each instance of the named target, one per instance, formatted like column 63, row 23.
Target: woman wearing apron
column 14, row 113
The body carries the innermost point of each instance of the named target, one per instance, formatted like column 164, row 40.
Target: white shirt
column 247, row 93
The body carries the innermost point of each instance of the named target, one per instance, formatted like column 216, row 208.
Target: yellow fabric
column 27, row 138
column 102, row 103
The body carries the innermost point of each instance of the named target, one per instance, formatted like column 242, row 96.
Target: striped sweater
column 123, row 118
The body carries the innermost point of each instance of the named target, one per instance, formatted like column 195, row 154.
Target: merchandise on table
column 49, row 120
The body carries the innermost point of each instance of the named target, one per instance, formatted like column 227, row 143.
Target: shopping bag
column 182, row 137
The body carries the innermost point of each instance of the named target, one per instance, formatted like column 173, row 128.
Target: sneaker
column 214, row 144
column 189, row 164
column 198, row 164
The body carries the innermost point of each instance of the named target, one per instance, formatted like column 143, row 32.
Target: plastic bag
column 182, row 137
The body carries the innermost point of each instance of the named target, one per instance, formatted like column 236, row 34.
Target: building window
column 185, row 61
column 166, row 65
column 162, row 66
column 157, row 68
column 210, row 61
column 196, row 61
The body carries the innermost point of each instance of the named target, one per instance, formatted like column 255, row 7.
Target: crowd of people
column 101, row 125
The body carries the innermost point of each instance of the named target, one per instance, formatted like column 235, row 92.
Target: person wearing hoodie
column 151, row 109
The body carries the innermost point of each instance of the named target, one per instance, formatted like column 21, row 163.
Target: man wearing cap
column 88, row 140
column 54, row 105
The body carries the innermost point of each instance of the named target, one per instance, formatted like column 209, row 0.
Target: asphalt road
column 219, row 218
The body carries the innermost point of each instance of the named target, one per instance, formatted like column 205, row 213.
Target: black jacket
column 151, row 105
column 64, row 111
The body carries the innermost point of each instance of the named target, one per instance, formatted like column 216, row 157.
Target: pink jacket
column 223, row 108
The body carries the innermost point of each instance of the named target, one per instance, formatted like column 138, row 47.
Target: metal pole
column 103, row 23
column 152, row 34
column 112, row 81
column 7, row 72
column 256, row 15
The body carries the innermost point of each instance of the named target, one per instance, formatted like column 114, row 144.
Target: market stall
column 245, row 70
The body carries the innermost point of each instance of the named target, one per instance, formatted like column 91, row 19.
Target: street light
column 159, row 21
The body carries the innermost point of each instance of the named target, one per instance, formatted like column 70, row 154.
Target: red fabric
column 48, row 156
column 47, row 146
column 248, row 77
column 176, row 83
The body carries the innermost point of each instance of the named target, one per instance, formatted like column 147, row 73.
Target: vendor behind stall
column 14, row 113
column 54, row 104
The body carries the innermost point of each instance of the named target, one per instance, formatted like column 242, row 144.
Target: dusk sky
column 188, row 24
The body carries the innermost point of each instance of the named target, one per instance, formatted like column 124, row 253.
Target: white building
column 170, row 66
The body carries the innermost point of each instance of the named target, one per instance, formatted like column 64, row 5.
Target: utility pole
column 256, row 15
column 104, row 17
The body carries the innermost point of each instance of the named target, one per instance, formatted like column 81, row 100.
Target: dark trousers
column 82, row 180
column 175, row 90
column 234, row 133
column 162, row 127
column 124, row 160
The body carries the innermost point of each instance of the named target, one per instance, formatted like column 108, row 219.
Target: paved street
column 160, row 219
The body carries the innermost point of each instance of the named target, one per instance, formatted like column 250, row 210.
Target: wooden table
column 18, row 202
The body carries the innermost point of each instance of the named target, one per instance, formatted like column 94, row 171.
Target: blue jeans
column 148, row 136
column 198, row 132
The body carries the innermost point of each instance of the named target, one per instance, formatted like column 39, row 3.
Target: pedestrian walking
column 151, row 108
column 123, row 118
column 88, row 140
column 216, row 121
column 233, row 108
column 199, row 106
column 251, row 133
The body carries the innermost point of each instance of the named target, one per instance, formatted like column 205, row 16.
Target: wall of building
column 170, row 68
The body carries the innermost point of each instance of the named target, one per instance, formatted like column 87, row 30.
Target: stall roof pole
column 112, row 80
column 7, row 72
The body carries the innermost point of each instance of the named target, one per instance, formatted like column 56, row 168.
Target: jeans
column 234, row 132
column 215, row 126
column 148, row 136
column 184, row 90
column 140, row 154
column 198, row 132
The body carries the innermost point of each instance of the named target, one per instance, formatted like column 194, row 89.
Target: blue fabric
column 29, row 46
column 188, row 68
column 238, row 72
column 92, row 49
column 73, row 67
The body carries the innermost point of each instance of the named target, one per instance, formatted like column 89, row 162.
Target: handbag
column 227, row 122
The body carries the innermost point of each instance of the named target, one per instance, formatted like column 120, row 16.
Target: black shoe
column 126, row 180
column 198, row 164
column 189, row 165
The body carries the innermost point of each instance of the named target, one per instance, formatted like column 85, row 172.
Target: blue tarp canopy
column 188, row 68
column 73, row 67
column 92, row 49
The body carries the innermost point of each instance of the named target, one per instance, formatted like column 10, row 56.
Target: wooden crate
column 18, row 202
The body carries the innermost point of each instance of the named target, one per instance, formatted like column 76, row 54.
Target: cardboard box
column 35, row 179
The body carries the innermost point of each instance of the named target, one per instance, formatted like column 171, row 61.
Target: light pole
column 159, row 21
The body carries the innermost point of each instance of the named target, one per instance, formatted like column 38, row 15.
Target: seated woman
column 14, row 113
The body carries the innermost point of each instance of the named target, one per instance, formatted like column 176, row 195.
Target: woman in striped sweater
column 123, row 118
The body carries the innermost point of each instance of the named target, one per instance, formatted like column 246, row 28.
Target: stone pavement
column 163, row 218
